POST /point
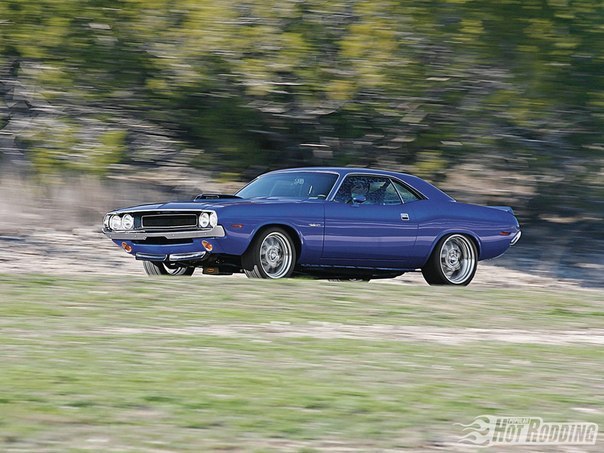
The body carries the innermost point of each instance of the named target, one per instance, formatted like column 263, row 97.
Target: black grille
column 169, row 221
column 160, row 240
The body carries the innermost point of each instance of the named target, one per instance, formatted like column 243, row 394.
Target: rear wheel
column 453, row 261
column 159, row 268
column 271, row 255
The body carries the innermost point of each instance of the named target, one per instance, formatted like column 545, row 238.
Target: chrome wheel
column 457, row 259
column 276, row 255
column 176, row 270
column 159, row 268
column 272, row 254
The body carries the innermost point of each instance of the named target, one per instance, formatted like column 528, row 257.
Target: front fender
column 307, row 221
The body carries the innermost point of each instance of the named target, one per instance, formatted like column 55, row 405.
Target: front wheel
column 158, row 268
column 271, row 255
column 453, row 261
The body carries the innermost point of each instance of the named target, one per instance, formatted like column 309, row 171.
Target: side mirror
column 358, row 199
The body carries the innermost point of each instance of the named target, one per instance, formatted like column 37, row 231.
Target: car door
column 367, row 223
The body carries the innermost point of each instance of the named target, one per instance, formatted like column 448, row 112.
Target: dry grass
column 131, row 364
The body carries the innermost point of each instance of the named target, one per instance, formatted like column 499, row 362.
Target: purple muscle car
column 336, row 223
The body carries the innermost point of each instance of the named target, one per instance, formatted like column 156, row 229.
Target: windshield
column 303, row 184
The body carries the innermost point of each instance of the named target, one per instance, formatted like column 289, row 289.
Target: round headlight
column 106, row 221
column 213, row 219
column 115, row 223
column 204, row 220
column 127, row 222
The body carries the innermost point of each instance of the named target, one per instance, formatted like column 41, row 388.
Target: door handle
column 404, row 216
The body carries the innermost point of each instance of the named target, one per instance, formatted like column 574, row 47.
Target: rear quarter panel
column 439, row 218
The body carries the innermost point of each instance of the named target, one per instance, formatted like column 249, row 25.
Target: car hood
column 208, row 204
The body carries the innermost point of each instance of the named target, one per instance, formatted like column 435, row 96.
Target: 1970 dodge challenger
column 337, row 223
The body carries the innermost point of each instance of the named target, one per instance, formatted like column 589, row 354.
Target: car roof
column 424, row 187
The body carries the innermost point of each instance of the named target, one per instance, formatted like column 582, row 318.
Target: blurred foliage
column 515, row 85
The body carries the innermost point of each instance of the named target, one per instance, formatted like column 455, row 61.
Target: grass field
column 132, row 364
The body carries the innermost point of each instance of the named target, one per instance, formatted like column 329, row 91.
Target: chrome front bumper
column 516, row 238
column 216, row 232
column 190, row 256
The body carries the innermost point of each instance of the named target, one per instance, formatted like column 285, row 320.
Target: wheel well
column 475, row 241
column 462, row 233
column 292, row 232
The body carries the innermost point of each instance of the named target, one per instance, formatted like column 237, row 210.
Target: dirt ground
column 37, row 233
column 87, row 251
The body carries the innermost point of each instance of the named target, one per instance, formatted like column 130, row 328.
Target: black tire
column 277, row 242
column 159, row 268
column 454, row 261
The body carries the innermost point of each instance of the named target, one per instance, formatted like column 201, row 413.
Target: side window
column 377, row 190
column 405, row 193
column 391, row 195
